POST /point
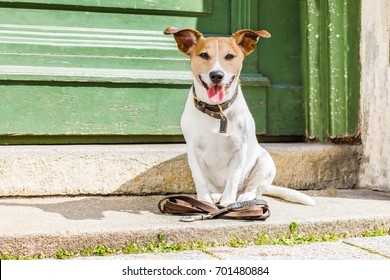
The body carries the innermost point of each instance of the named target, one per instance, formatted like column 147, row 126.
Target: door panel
column 103, row 72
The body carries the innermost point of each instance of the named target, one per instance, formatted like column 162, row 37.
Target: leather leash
column 198, row 210
column 215, row 111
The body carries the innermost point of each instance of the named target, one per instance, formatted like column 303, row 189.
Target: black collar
column 215, row 111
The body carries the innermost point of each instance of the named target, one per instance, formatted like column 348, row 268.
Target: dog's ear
column 246, row 39
column 186, row 38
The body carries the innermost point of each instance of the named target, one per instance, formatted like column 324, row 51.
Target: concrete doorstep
column 68, row 226
column 157, row 169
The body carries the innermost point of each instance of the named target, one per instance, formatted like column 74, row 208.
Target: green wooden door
column 101, row 71
column 331, row 63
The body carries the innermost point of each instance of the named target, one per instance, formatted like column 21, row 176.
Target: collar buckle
column 215, row 111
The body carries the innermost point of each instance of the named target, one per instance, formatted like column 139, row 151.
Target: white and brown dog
column 226, row 161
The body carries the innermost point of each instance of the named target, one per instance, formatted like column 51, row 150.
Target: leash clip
column 193, row 218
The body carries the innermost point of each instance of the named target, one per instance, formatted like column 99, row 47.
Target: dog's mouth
column 216, row 92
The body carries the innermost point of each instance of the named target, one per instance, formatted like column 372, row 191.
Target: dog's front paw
column 226, row 201
column 246, row 196
column 205, row 198
column 216, row 197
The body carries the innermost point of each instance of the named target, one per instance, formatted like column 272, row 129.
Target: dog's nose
column 216, row 76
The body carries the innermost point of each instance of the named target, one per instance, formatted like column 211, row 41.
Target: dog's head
column 216, row 62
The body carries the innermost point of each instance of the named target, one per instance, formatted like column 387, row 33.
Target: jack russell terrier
column 225, row 159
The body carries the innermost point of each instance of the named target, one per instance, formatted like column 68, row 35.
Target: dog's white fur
column 232, row 166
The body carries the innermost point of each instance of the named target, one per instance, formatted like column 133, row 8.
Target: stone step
column 157, row 169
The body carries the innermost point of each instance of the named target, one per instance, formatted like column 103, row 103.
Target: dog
column 226, row 161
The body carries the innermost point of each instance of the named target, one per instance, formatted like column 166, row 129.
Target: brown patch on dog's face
column 216, row 54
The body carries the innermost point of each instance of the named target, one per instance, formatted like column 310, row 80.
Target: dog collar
column 215, row 111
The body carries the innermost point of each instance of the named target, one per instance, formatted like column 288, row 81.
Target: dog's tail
column 289, row 195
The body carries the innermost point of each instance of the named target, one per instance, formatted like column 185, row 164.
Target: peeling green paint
column 331, row 67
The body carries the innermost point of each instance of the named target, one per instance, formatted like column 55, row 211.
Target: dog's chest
column 215, row 153
column 216, row 149
column 202, row 131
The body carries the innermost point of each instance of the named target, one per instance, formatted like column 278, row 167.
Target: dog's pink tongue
column 216, row 93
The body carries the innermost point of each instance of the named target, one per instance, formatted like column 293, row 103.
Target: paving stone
column 378, row 244
column 313, row 251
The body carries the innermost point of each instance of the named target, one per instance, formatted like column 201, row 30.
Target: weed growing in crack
column 163, row 246
column 379, row 231
column 238, row 242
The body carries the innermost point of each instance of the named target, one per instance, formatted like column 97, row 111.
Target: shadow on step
column 171, row 176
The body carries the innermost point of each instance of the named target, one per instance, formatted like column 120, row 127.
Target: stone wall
column 375, row 95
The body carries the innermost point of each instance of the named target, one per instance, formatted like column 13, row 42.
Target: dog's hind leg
column 259, row 178
column 259, row 182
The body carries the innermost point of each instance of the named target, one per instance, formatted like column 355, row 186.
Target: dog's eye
column 204, row 55
column 229, row 56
